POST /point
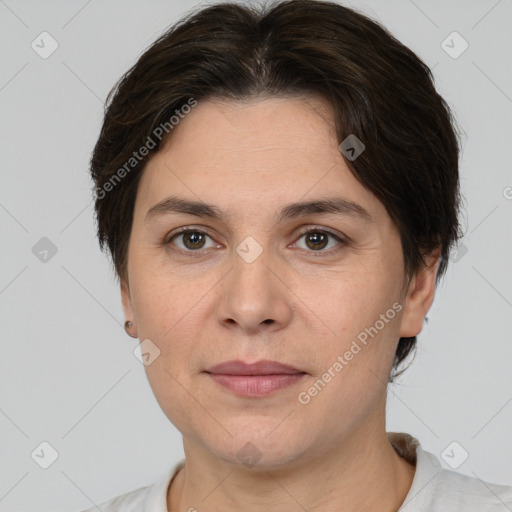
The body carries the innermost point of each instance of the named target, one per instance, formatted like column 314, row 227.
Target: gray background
column 68, row 375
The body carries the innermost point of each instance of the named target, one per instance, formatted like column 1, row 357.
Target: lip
column 265, row 367
column 257, row 379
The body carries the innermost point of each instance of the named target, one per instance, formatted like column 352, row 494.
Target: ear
column 127, row 301
column 419, row 296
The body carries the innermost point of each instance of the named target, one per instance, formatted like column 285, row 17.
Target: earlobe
column 419, row 297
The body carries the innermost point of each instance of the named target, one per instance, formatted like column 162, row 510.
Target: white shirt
column 434, row 489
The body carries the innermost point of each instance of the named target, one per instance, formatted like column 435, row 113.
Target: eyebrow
column 337, row 206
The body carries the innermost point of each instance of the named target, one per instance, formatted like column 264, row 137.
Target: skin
column 294, row 304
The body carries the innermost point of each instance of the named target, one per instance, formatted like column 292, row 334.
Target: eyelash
column 341, row 240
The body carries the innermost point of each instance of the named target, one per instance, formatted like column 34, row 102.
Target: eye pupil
column 196, row 240
column 319, row 240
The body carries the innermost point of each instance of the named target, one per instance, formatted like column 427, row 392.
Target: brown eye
column 316, row 240
column 193, row 240
column 190, row 240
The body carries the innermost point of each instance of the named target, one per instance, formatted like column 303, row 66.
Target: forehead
column 291, row 126
column 295, row 111
column 275, row 150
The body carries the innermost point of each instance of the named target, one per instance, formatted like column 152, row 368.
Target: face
column 319, row 290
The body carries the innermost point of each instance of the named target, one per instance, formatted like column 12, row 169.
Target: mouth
column 254, row 379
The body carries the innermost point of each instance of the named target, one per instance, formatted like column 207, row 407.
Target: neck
column 357, row 475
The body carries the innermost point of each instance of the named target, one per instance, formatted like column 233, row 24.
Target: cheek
column 159, row 301
column 364, row 311
column 351, row 302
column 176, row 397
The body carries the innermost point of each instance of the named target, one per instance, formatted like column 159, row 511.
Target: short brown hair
column 379, row 89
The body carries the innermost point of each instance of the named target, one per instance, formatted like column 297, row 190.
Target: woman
column 279, row 191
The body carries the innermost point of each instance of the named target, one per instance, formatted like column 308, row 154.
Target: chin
column 259, row 447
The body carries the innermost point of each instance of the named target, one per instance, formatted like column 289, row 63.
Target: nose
column 254, row 296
